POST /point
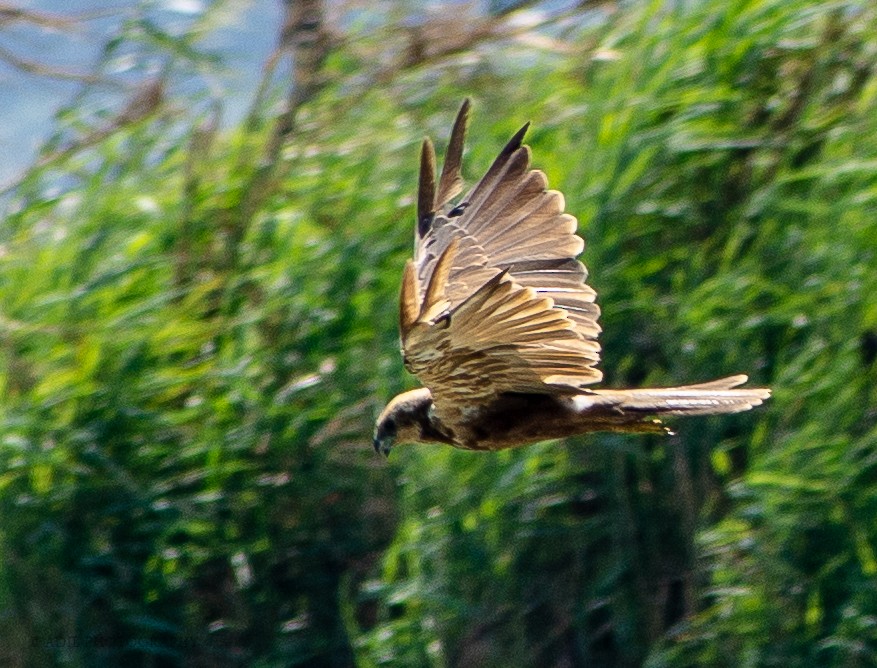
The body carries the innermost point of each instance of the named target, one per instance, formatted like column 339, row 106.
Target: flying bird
column 498, row 323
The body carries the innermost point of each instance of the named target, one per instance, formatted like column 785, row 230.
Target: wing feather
column 471, row 354
column 426, row 187
column 504, row 306
column 409, row 301
column 435, row 302
column 451, row 181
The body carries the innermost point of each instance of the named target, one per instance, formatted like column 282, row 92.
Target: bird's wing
column 509, row 220
column 494, row 300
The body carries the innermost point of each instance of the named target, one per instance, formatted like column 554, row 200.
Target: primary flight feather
column 498, row 323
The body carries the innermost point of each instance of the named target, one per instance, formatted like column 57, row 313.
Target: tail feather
column 712, row 398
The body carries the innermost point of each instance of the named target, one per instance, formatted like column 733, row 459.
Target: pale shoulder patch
column 583, row 403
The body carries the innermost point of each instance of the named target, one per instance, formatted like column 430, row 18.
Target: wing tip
column 465, row 107
column 451, row 182
column 515, row 142
column 426, row 187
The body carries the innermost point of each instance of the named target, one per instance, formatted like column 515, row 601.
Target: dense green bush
column 191, row 367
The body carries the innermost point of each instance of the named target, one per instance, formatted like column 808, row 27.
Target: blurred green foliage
column 189, row 375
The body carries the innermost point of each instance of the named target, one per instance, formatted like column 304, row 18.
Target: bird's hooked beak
column 383, row 445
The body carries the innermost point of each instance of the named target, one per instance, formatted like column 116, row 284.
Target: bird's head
column 404, row 420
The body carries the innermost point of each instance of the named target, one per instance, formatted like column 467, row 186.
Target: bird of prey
column 498, row 322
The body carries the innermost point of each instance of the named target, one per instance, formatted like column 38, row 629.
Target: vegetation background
column 198, row 327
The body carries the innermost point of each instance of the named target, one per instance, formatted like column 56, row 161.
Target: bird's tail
column 717, row 396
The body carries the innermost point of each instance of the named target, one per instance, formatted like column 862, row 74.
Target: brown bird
column 498, row 323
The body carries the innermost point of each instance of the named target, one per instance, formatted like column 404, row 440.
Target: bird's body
column 517, row 419
column 513, row 420
column 497, row 321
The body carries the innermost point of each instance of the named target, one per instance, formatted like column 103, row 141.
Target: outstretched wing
column 495, row 300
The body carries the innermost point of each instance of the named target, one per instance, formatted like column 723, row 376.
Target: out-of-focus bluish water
column 28, row 102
